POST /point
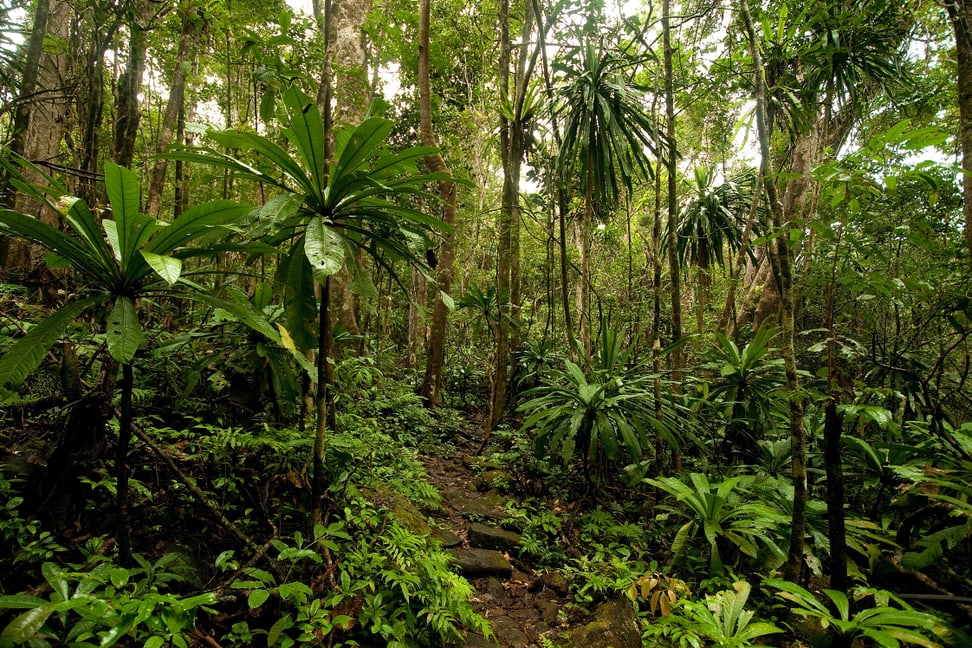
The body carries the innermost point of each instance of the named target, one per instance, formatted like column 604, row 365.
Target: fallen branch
column 225, row 522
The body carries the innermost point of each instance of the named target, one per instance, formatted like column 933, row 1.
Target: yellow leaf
column 285, row 339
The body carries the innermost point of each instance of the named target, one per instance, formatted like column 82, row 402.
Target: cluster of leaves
column 390, row 584
column 102, row 603
column 603, row 414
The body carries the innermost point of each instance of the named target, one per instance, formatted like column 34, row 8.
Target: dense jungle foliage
column 680, row 291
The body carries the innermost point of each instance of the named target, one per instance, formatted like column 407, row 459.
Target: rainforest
column 516, row 323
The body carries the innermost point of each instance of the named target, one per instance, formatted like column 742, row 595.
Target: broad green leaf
column 26, row 227
column 119, row 577
column 323, row 248
column 169, row 268
column 196, row 221
column 306, row 131
column 17, row 363
column 111, row 231
column 243, row 310
column 79, row 217
column 273, row 636
column 123, row 190
column 359, row 147
column 840, row 602
column 124, row 334
column 257, row 598
column 681, row 537
column 281, row 207
column 26, row 625
column 20, row 602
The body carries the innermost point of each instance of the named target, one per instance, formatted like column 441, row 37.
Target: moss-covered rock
column 615, row 625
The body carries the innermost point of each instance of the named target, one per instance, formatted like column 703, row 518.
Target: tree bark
column 351, row 94
column 322, row 401
column 91, row 100
column 349, row 53
column 431, row 389
column 127, row 114
column 584, row 240
column 674, row 268
column 559, row 190
column 39, row 123
column 509, row 148
column 121, row 464
column 960, row 15
column 170, row 119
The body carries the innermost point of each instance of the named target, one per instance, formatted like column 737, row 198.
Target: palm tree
column 709, row 223
column 130, row 256
column 328, row 210
column 607, row 136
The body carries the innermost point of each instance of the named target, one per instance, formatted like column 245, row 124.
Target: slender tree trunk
column 170, row 119
column 121, row 465
column 127, row 113
column 833, row 429
column 509, row 152
column 559, row 191
column 318, row 478
column 351, row 94
column 562, row 207
column 656, row 277
column 91, row 112
column 180, row 201
column 431, row 389
column 671, row 167
column 416, row 324
column 960, row 15
column 780, row 257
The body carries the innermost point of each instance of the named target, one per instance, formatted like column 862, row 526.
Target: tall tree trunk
column 90, row 99
column 127, row 113
column 121, row 464
column 833, row 430
column 559, row 190
column 780, row 257
column 324, row 15
column 322, row 401
column 508, row 213
column 671, row 167
column 960, row 15
column 349, row 53
column 170, row 119
column 431, row 389
column 351, row 92
column 39, row 120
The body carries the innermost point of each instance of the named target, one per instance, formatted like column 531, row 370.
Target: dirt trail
column 520, row 605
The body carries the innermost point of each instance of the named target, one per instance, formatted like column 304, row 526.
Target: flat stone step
column 482, row 562
column 487, row 537
column 485, row 506
column 446, row 538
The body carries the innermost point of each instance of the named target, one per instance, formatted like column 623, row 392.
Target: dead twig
column 225, row 522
